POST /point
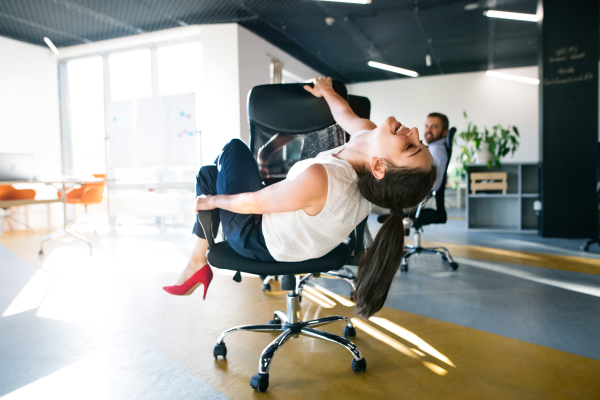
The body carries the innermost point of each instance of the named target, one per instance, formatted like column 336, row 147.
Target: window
column 86, row 106
column 179, row 68
column 130, row 75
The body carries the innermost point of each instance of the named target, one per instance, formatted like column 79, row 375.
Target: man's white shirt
column 440, row 159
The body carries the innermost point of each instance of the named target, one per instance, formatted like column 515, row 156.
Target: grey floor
column 43, row 358
column 551, row 308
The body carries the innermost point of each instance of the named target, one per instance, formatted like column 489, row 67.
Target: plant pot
column 484, row 155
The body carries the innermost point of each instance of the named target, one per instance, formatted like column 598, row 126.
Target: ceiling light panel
column 392, row 68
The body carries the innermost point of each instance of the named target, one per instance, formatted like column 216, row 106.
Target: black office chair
column 303, row 148
column 289, row 109
column 428, row 216
column 587, row 244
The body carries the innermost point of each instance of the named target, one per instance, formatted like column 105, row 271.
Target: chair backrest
column 5, row 190
column 440, row 194
column 288, row 109
column 361, row 107
column 92, row 194
column 598, row 167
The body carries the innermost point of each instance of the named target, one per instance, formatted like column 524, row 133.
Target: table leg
column 64, row 230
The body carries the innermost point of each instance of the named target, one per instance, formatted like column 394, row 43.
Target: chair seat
column 222, row 256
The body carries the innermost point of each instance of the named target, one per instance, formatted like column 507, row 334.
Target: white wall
column 219, row 115
column 29, row 116
column 255, row 56
column 487, row 101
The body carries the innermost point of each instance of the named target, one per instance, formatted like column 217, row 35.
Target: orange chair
column 8, row 192
column 89, row 193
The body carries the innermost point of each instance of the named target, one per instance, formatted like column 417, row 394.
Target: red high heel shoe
column 202, row 277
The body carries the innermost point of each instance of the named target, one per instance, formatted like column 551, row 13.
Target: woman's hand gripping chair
column 289, row 110
column 426, row 216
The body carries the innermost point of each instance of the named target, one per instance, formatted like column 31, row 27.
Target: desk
column 63, row 189
column 15, row 203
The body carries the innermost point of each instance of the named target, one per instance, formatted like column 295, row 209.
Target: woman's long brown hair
column 400, row 188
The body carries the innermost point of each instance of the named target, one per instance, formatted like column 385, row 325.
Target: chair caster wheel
column 275, row 321
column 453, row 266
column 276, row 278
column 41, row 253
column 349, row 333
column 359, row 366
column 260, row 382
column 220, row 350
column 266, row 287
column 585, row 247
column 352, row 295
column 403, row 267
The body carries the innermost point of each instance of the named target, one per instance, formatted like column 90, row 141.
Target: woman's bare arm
column 340, row 109
column 308, row 192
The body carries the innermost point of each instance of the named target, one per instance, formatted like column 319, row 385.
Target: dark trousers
column 235, row 171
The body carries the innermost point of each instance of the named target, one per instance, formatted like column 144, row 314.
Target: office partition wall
column 569, row 118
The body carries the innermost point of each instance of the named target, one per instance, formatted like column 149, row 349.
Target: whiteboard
column 155, row 131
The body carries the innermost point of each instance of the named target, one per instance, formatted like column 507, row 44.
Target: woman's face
column 401, row 146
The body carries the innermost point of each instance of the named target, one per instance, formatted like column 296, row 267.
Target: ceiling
column 396, row 32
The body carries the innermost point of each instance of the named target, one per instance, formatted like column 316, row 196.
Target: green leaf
column 465, row 113
column 489, row 165
column 516, row 131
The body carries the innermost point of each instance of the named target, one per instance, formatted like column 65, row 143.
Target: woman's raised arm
column 340, row 109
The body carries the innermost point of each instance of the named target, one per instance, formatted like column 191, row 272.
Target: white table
column 64, row 183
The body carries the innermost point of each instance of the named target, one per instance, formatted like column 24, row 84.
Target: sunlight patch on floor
column 85, row 379
column 32, row 294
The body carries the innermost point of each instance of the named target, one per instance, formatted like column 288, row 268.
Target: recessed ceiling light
column 391, row 68
column 471, row 6
column 511, row 77
column 51, row 45
column 350, row 1
column 511, row 15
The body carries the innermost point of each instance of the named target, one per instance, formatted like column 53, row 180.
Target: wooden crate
column 488, row 181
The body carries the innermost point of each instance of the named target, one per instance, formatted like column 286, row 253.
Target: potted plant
column 485, row 146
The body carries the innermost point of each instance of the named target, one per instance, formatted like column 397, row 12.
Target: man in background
column 436, row 129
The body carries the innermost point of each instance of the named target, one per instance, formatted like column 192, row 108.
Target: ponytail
column 401, row 187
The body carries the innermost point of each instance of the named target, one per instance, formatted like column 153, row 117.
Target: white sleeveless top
column 297, row 236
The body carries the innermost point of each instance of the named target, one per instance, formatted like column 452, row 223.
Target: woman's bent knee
column 206, row 180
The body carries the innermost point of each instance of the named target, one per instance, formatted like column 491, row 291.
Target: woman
column 319, row 203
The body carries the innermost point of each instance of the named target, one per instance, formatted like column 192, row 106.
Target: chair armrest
column 422, row 204
column 205, row 218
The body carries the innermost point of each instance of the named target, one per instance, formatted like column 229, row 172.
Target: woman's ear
column 378, row 167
